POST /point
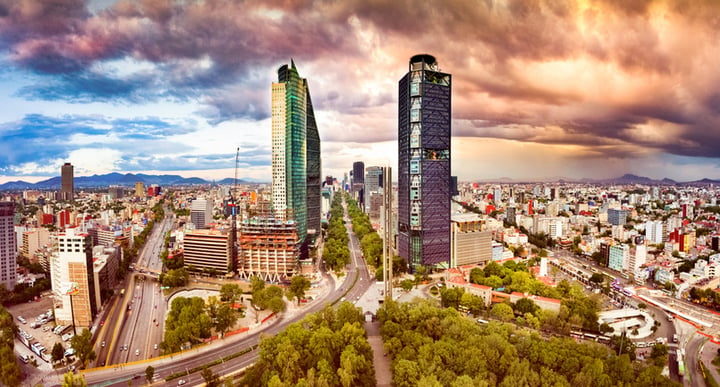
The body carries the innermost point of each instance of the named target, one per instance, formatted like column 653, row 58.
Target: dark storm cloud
column 606, row 73
column 234, row 37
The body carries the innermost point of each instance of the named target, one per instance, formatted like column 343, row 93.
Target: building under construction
column 269, row 248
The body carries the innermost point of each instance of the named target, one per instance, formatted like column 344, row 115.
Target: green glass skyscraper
column 295, row 153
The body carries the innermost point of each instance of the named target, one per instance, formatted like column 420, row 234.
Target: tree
column 493, row 281
column 473, row 303
column 10, row 374
column 450, row 297
column 4, row 294
column 225, row 318
column 502, row 312
column 421, row 274
column 7, row 328
column 605, row 328
column 267, row 298
column 149, row 373
column 230, row 293
column 58, row 352
column 211, row 379
column 82, row 344
column 256, row 284
column 327, row 348
column 298, row 285
column 477, row 275
column 399, row 265
column 72, row 380
column 597, row 278
column 187, row 322
column 659, row 354
column 525, row 305
column 407, row 284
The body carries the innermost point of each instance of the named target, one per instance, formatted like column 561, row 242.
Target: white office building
column 201, row 212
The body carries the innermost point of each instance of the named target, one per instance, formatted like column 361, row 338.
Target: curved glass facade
column 295, row 153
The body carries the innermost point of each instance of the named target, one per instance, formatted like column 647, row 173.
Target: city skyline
column 584, row 89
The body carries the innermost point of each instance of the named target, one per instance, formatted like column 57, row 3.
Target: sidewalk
column 708, row 353
column 381, row 362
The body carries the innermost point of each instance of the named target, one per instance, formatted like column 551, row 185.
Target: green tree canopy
column 82, row 344
column 230, row 293
column 328, row 348
column 299, row 284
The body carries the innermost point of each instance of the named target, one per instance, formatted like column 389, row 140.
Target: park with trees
column 9, row 369
column 327, row 348
column 433, row 346
column 335, row 252
column 192, row 320
column 577, row 310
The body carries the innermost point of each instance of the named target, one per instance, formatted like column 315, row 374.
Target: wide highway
column 357, row 282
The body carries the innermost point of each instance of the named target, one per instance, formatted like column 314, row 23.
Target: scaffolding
column 269, row 249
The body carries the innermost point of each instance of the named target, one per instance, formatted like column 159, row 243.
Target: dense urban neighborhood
column 619, row 266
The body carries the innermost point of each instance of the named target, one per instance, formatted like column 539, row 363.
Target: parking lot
column 41, row 334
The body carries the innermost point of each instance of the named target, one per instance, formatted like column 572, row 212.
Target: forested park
column 432, row 346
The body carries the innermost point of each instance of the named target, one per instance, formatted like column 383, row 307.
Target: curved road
column 357, row 282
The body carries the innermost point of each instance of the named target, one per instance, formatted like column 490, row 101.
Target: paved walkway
column 708, row 353
column 381, row 362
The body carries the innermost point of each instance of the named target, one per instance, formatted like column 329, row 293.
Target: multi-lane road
column 690, row 342
column 356, row 283
column 133, row 327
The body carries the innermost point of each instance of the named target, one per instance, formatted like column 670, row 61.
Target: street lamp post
column 72, row 314
column 71, row 290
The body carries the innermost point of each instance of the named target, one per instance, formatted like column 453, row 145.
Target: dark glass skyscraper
column 67, row 182
column 424, row 163
column 358, row 182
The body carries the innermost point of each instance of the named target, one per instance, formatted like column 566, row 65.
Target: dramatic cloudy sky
column 549, row 88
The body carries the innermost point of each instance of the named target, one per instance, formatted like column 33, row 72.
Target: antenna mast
column 233, row 218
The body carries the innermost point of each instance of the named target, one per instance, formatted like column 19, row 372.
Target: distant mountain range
column 125, row 180
column 129, row 180
column 622, row 180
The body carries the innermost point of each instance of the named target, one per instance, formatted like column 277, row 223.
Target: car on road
column 155, row 346
column 137, row 352
column 181, row 382
column 102, row 344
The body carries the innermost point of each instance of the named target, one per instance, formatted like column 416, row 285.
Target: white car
column 181, row 382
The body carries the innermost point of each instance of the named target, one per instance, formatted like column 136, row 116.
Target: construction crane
column 233, row 218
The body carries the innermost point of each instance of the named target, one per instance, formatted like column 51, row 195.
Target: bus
column 681, row 367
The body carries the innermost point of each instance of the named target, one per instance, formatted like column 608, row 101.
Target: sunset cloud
column 577, row 81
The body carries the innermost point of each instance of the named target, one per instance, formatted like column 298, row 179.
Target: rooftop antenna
column 233, row 218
